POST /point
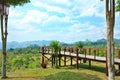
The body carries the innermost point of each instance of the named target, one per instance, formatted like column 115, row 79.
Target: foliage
column 22, row 58
column 16, row 2
column 118, row 5
column 55, row 48
column 79, row 44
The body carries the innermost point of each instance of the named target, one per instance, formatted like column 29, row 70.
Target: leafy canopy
column 55, row 46
column 79, row 44
column 118, row 5
column 15, row 2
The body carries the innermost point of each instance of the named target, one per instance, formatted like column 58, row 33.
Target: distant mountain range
column 15, row 44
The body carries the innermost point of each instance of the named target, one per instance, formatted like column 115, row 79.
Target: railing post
column 71, row 50
column 85, row 52
column 60, row 57
column 94, row 54
column 85, row 59
column 42, row 54
column 77, row 65
column 119, row 58
column 106, row 64
column 89, row 52
column 48, row 49
column 64, row 50
column 64, row 56
column 71, row 61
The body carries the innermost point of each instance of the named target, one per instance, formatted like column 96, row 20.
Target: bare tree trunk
column 110, row 18
column 4, row 41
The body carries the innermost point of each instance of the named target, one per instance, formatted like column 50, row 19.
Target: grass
column 51, row 74
column 95, row 72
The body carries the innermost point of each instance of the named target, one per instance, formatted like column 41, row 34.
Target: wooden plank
column 89, row 57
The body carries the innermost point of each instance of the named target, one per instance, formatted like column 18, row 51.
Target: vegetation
column 55, row 45
column 24, row 64
column 79, row 44
column 22, row 58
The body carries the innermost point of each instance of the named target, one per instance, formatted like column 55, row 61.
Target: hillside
column 15, row 44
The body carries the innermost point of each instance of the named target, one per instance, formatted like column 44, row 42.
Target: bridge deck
column 88, row 57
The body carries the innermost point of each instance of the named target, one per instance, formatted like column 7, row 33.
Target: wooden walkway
column 88, row 54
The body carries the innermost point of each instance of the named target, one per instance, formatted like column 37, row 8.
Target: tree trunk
column 110, row 19
column 4, row 41
column 110, row 54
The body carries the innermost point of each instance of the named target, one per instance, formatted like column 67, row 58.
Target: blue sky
column 62, row 20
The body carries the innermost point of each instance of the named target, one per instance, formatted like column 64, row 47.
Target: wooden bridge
column 76, row 54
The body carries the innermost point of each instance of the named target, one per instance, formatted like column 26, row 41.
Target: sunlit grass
column 96, row 72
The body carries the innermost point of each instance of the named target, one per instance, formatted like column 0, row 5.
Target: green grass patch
column 71, row 76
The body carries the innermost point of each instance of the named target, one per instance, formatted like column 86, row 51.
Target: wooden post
column 106, row 65
column 48, row 50
column 60, row 57
column 84, row 52
column 94, row 54
column 77, row 65
column 69, row 50
column 71, row 60
column 64, row 57
column 89, row 52
column 52, row 60
column 42, row 54
column 64, row 50
column 119, row 58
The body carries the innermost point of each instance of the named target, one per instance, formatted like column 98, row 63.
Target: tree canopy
column 15, row 2
column 118, row 5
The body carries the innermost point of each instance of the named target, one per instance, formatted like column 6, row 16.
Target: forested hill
column 15, row 44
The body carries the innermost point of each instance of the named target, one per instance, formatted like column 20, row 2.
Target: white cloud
column 34, row 16
column 50, row 7
column 57, row 19
column 86, row 31
column 89, row 8
column 23, row 33
column 15, row 13
column 26, row 25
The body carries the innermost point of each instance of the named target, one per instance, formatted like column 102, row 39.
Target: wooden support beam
column 64, row 60
column 52, row 60
column 71, row 60
column 59, row 60
column 59, row 57
column 42, row 54
column 119, row 58
column 106, row 64
column 94, row 54
column 64, row 56
column 77, row 65
column 89, row 52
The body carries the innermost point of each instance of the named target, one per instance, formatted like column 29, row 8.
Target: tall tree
column 110, row 21
column 4, row 10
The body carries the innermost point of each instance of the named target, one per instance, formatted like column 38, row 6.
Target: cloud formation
column 63, row 20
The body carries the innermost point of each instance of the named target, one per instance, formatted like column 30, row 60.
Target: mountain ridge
column 15, row 44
